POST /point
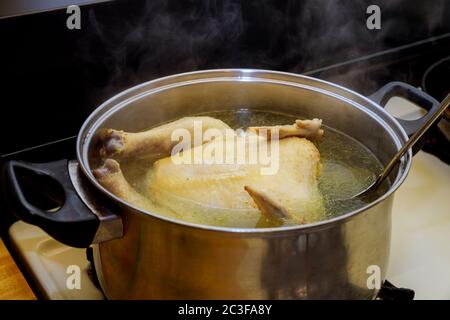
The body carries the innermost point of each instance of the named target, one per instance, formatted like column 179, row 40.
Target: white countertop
column 420, row 248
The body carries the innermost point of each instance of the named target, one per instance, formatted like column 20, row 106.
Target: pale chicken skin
column 232, row 194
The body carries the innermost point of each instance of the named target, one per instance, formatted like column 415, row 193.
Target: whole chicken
column 210, row 181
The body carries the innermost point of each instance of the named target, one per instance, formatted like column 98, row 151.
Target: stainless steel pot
column 143, row 255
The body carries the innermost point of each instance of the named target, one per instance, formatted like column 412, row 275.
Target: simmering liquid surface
column 347, row 167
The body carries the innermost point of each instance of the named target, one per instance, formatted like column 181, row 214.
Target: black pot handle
column 416, row 96
column 73, row 223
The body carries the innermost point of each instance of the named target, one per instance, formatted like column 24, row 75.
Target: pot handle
column 416, row 96
column 73, row 223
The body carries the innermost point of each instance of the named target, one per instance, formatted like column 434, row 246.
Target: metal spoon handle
column 412, row 141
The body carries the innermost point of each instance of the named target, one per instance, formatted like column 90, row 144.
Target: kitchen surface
column 14, row 285
column 56, row 78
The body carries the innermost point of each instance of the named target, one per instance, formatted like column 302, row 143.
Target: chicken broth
column 347, row 167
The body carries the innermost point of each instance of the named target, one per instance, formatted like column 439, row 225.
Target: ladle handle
column 414, row 138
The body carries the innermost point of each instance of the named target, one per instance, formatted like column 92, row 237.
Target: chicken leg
column 309, row 129
column 122, row 145
column 110, row 176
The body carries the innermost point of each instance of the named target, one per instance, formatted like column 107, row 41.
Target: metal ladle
column 409, row 144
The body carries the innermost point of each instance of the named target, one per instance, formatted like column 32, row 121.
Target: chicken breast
column 293, row 187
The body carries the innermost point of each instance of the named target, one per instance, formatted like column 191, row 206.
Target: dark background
column 52, row 77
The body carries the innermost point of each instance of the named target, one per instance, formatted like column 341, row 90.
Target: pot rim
column 98, row 114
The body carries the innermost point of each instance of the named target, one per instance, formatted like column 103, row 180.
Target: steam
column 169, row 36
